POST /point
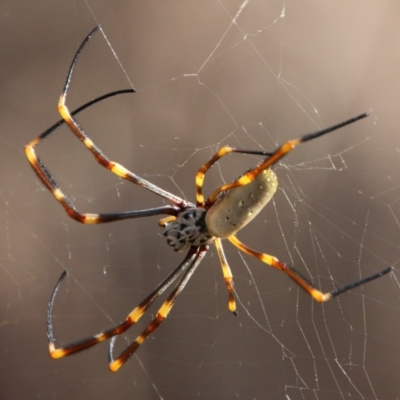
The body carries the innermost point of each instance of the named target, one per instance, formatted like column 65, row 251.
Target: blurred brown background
column 250, row 74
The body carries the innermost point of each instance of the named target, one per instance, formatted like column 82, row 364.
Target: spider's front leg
column 45, row 175
column 193, row 258
column 162, row 312
column 99, row 156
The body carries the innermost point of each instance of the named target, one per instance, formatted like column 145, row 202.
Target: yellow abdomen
column 238, row 206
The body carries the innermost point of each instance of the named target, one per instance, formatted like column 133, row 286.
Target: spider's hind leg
column 315, row 293
column 270, row 160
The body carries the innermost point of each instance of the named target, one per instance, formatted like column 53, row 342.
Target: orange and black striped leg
column 227, row 275
column 30, row 151
column 89, row 218
column 86, row 218
column 223, row 151
column 92, row 218
column 77, row 111
column 299, row 279
column 131, row 319
column 162, row 313
column 114, row 167
column 280, row 152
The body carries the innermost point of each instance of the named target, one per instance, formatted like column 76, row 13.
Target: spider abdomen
column 239, row 205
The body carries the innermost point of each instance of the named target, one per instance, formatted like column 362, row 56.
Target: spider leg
column 280, row 152
column 87, row 218
column 162, row 313
column 130, row 320
column 114, row 167
column 223, row 151
column 44, row 174
column 30, row 152
column 301, row 280
column 227, row 275
column 78, row 110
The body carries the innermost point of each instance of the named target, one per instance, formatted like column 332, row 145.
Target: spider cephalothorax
column 227, row 210
column 188, row 229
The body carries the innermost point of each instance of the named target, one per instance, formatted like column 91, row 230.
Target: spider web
column 250, row 74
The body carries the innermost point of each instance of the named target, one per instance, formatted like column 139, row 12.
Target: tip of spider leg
column 95, row 29
column 233, row 310
column 362, row 116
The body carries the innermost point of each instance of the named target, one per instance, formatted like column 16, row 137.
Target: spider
column 188, row 226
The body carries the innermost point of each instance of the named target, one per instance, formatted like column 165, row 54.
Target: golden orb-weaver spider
column 188, row 227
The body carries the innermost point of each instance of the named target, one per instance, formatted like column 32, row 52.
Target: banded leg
column 223, row 151
column 273, row 158
column 299, row 279
column 227, row 275
column 131, row 319
column 30, row 152
column 86, row 218
column 114, row 167
column 162, row 313
column 45, row 175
